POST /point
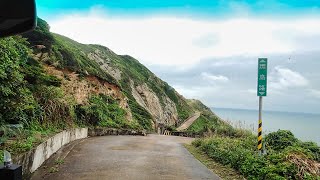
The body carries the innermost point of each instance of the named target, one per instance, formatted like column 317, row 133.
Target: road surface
column 188, row 122
column 152, row 157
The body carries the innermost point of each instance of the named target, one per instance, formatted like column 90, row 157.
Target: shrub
column 280, row 139
column 16, row 101
column 103, row 111
column 312, row 147
column 292, row 162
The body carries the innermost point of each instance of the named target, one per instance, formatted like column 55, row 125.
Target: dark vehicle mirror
column 17, row 16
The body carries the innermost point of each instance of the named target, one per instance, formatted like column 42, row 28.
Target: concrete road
column 188, row 122
column 150, row 157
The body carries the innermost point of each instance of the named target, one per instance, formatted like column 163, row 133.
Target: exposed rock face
column 105, row 64
column 82, row 89
column 166, row 114
column 170, row 112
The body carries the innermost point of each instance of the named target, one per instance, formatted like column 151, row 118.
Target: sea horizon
column 267, row 110
column 304, row 125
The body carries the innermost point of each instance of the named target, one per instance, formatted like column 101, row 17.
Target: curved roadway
column 152, row 157
column 188, row 122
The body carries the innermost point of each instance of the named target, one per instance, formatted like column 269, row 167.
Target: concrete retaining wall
column 186, row 134
column 112, row 131
column 33, row 159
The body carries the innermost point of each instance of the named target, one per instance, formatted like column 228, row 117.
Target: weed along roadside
column 286, row 158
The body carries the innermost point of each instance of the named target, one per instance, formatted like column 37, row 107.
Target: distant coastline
column 256, row 110
column 304, row 126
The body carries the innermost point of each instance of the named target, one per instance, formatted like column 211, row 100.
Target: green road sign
column 262, row 76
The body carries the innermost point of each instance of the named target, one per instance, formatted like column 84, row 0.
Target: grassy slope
column 65, row 53
column 209, row 123
column 130, row 69
column 222, row 171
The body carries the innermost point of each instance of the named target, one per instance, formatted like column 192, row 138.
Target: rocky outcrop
column 170, row 112
column 105, row 64
column 165, row 114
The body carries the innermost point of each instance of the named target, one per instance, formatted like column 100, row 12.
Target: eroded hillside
column 84, row 71
column 93, row 85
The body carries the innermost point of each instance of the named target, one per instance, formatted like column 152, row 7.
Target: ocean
column 304, row 126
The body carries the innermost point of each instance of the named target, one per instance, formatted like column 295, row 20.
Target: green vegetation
column 67, row 53
column 133, row 70
column 287, row 157
column 35, row 100
column 224, row 172
column 41, row 35
column 71, row 55
column 103, row 111
column 183, row 107
column 201, row 125
column 17, row 140
column 16, row 101
column 59, row 161
column 54, row 169
column 208, row 125
column 30, row 97
column 142, row 116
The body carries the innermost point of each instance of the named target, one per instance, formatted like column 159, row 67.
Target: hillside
column 50, row 78
column 49, row 83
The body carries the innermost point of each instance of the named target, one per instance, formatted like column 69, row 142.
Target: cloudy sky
column 208, row 49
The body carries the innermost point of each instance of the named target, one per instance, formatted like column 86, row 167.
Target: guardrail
column 186, row 134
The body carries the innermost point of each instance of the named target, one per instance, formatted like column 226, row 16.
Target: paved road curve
column 188, row 122
column 151, row 157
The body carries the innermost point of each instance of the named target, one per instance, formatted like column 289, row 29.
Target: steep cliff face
column 105, row 64
column 88, row 70
column 160, row 106
column 165, row 114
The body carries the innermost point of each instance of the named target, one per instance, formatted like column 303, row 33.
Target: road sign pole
column 260, row 126
column 261, row 91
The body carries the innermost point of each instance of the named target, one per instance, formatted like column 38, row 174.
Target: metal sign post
column 261, row 91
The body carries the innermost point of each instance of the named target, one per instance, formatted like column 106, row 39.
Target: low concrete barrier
column 111, row 131
column 32, row 160
column 185, row 134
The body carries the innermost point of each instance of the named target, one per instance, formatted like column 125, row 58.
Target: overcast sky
column 208, row 49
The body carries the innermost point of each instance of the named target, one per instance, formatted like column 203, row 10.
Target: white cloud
column 211, row 77
column 197, row 92
column 252, row 91
column 182, row 41
column 300, row 92
column 315, row 93
column 286, row 78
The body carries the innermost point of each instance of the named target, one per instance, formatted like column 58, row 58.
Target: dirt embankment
column 82, row 88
